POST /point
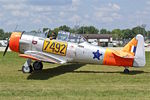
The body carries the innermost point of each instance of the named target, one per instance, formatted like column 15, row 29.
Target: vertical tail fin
column 131, row 47
column 136, row 48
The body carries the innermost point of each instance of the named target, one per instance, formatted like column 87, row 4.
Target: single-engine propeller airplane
column 73, row 48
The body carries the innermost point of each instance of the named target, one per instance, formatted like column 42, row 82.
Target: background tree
column 117, row 34
column 93, row 30
column 56, row 30
column 127, row 34
column 88, row 30
column 138, row 30
column 1, row 34
column 108, row 32
column 6, row 35
column 64, row 28
column 75, row 29
column 103, row 31
column 72, row 30
column 81, row 30
column 148, row 34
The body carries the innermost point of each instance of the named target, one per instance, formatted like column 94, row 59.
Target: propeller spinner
column 13, row 42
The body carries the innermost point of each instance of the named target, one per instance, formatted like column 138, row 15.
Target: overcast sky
column 109, row 14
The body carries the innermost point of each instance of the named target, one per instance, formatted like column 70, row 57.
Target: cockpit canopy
column 62, row 36
column 70, row 37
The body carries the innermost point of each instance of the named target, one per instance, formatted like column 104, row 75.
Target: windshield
column 63, row 36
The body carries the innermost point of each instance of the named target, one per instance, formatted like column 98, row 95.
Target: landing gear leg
column 27, row 68
column 126, row 70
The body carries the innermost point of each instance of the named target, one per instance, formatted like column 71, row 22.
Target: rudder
column 139, row 60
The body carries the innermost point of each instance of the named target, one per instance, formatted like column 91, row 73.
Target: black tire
column 37, row 65
column 126, row 71
column 27, row 69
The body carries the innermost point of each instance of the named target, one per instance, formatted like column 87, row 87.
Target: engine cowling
column 14, row 41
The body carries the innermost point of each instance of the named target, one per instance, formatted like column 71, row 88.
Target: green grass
column 77, row 82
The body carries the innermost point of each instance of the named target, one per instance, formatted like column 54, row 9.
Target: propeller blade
column 6, row 49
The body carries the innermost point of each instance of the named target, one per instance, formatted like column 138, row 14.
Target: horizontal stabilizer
column 122, row 54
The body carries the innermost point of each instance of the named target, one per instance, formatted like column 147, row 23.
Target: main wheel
column 27, row 69
column 126, row 71
column 37, row 65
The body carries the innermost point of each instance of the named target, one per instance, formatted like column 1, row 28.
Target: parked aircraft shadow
column 131, row 72
column 70, row 68
column 52, row 72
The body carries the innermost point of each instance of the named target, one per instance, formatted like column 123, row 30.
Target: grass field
column 72, row 82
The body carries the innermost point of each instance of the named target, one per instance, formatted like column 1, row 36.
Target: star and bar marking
column 97, row 55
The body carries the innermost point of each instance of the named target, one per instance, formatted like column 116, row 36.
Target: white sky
column 109, row 14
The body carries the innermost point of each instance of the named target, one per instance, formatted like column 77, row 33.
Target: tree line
column 4, row 35
column 117, row 34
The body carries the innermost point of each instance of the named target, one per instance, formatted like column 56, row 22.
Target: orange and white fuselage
column 58, row 51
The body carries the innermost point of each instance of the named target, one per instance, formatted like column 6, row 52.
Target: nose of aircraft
column 14, row 41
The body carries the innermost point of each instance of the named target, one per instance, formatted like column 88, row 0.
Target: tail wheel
column 126, row 71
column 27, row 69
column 38, row 65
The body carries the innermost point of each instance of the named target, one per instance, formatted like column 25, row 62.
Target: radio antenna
column 16, row 27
